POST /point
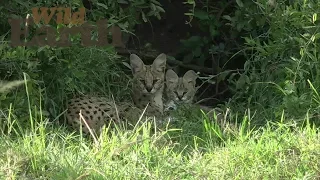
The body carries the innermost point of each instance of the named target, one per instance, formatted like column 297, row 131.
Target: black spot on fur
column 102, row 113
column 85, row 103
column 89, row 107
column 99, row 118
column 90, row 101
column 91, row 117
column 94, row 112
column 87, row 112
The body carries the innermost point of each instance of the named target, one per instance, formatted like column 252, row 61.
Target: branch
column 154, row 54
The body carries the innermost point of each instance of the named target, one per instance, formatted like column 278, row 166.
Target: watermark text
column 48, row 35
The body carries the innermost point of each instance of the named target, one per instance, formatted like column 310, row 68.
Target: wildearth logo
column 47, row 35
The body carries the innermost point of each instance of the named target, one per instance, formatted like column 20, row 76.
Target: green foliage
column 64, row 72
column 123, row 13
column 196, row 45
column 278, row 86
column 60, row 73
column 279, row 41
column 282, row 54
column 212, row 47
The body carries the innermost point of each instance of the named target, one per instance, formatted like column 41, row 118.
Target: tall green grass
column 202, row 150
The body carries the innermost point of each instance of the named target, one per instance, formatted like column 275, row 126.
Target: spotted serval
column 182, row 91
column 148, row 84
column 179, row 90
column 96, row 111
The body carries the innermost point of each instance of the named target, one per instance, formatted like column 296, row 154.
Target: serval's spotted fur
column 179, row 90
column 148, row 84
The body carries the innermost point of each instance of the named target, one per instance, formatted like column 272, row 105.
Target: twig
column 153, row 55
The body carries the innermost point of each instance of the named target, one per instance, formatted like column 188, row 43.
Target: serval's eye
column 184, row 93
column 142, row 81
column 155, row 81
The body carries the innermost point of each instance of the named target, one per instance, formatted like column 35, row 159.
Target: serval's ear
column 160, row 63
column 136, row 63
column 171, row 76
column 190, row 77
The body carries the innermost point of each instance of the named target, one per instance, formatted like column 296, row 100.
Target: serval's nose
column 181, row 95
column 149, row 89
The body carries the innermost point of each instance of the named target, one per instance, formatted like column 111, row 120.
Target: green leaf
column 242, row 81
column 188, row 14
column 314, row 17
column 42, row 48
column 213, row 31
column 239, row 2
column 144, row 17
column 156, row 2
column 197, row 52
column 289, row 87
column 227, row 17
column 202, row 15
column 127, row 65
column 189, row 2
column 160, row 9
column 122, row 2
column 102, row 5
column 153, row 7
column 221, row 46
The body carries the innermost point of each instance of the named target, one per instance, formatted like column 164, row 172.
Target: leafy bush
column 281, row 49
column 54, row 74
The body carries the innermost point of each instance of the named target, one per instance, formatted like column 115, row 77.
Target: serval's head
column 181, row 89
column 148, row 78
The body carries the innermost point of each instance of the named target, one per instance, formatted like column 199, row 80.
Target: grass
column 194, row 146
column 205, row 151
column 280, row 73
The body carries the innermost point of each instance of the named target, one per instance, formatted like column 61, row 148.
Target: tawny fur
column 148, row 84
column 180, row 90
